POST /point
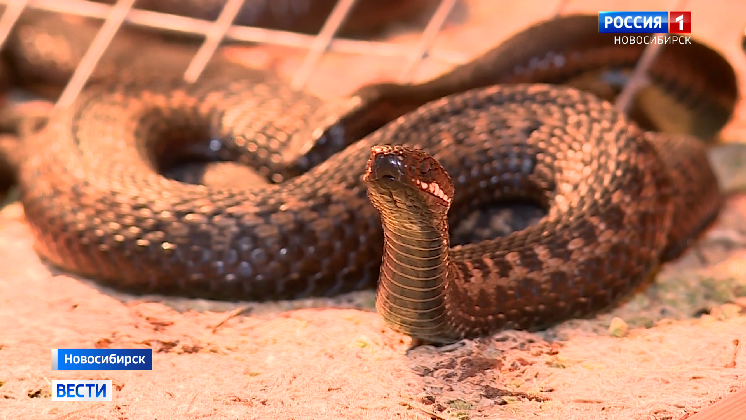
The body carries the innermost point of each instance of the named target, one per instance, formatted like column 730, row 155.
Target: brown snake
column 620, row 200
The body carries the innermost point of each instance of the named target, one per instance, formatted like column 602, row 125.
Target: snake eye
column 424, row 166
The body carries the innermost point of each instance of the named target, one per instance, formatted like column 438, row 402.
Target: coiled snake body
column 620, row 200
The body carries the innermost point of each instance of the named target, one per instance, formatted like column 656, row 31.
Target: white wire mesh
column 221, row 29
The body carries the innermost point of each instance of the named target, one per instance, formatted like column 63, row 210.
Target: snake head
column 407, row 178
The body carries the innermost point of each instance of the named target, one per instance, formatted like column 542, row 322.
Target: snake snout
column 388, row 168
column 408, row 169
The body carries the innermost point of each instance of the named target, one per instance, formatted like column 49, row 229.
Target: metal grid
column 221, row 29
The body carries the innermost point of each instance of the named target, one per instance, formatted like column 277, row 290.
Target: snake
column 361, row 191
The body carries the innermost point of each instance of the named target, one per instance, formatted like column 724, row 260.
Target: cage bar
column 222, row 29
column 91, row 57
column 321, row 42
column 639, row 77
column 213, row 38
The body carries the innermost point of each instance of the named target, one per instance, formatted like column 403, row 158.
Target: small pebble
column 618, row 327
column 726, row 311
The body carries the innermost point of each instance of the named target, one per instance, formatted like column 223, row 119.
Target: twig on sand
column 232, row 314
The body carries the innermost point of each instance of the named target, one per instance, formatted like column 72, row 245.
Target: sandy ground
column 670, row 350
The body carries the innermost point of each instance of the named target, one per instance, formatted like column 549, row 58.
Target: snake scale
column 620, row 200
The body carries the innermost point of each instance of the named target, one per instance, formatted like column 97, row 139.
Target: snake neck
column 413, row 274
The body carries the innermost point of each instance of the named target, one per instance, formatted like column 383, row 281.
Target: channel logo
column 81, row 390
column 680, row 23
column 645, row 22
column 94, row 359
